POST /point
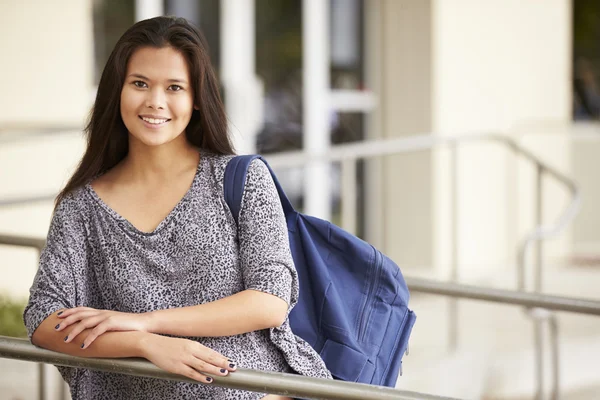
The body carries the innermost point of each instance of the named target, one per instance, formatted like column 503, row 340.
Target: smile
column 154, row 121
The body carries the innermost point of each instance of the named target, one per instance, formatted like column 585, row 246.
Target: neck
column 160, row 163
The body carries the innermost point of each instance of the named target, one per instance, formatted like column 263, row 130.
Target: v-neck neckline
column 125, row 223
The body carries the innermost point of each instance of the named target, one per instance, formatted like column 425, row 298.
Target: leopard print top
column 197, row 254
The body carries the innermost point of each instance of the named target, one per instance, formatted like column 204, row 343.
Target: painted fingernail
column 209, row 379
column 60, row 313
column 66, row 337
column 82, row 345
column 222, row 370
column 231, row 365
column 57, row 326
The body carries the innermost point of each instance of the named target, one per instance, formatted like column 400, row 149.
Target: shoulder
column 72, row 207
column 258, row 173
column 72, row 202
column 69, row 218
column 217, row 164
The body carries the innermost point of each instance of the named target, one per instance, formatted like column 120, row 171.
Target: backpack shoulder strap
column 235, row 180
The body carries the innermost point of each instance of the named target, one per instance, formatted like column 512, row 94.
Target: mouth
column 154, row 121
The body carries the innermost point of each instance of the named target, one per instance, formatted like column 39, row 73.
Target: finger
column 70, row 320
column 81, row 326
column 94, row 333
column 202, row 366
column 214, row 358
column 195, row 375
column 69, row 311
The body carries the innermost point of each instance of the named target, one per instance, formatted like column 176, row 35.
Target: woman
column 143, row 257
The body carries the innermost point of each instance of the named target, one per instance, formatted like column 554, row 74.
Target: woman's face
column 157, row 99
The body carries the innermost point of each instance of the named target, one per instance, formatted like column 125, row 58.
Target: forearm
column 242, row 312
column 108, row 345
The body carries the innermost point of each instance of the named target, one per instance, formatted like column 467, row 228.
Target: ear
column 196, row 108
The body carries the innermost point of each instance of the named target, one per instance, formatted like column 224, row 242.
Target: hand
column 185, row 357
column 101, row 321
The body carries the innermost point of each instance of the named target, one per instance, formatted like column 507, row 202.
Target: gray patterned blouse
column 96, row 258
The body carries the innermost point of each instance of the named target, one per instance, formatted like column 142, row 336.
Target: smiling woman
column 143, row 257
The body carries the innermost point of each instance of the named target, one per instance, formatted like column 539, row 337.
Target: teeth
column 154, row 121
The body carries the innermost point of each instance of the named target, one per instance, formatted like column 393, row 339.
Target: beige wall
column 585, row 167
column 493, row 73
column 29, row 168
column 400, row 214
column 47, row 83
column 466, row 66
column 47, row 73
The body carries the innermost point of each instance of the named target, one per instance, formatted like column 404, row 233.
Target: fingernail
column 208, row 379
column 222, row 370
column 57, row 326
column 231, row 365
column 66, row 337
column 60, row 313
column 82, row 345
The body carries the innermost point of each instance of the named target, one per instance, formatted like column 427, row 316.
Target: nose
column 155, row 99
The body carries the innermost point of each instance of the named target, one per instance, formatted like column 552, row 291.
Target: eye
column 140, row 84
column 175, row 88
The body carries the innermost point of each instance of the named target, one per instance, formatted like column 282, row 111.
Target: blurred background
column 465, row 126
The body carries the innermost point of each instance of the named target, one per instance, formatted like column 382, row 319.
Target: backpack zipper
column 362, row 326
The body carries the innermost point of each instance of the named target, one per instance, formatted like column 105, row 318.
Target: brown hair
column 107, row 137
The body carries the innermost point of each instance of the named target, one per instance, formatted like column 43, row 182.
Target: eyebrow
column 148, row 79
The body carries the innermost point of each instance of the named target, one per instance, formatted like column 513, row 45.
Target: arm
column 179, row 356
column 109, row 345
column 246, row 311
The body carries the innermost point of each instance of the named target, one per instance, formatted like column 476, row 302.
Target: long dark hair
column 107, row 137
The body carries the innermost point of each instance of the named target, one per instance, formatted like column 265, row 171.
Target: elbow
column 39, row 339
column 45, row 336
column 274, row 321
column 276, row 315
column 269, row 310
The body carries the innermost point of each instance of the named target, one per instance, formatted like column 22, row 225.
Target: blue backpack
column 353, row 304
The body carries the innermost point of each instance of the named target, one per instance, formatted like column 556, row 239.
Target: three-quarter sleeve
column 54, row 286
column 265, row 256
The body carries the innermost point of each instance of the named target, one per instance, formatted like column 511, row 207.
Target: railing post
column 538, row 332
column 41, row 382
column 453, row 302
column 538, row 223
column 556, row 357
column 41, row 367
column 538, row 336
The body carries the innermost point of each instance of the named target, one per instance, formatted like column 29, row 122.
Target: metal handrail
column 245, row 379
column 22, row 241
column 291, row 384
column 375, row 148
column 515, row 297
column 347, row 154
column 21, row 349
column 368, row 149
column 431, row 286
